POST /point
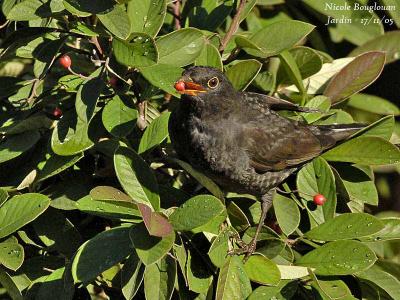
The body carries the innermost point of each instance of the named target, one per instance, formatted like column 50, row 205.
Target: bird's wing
column 264, row 101
column 276, row 143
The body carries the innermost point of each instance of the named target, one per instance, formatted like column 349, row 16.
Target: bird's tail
column 331, row 134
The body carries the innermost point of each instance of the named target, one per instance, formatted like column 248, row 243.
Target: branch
column 177, row 14
column 233, row 27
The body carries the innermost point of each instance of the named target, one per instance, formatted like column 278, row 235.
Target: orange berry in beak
column 179, row 86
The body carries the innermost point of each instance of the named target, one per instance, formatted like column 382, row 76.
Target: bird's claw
column 246, row 249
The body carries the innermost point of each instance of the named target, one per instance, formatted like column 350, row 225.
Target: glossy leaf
column 11, row 255
column 101, row 253
column 233, row 283
column 196, row 212
column 150, row 248
column 243, row 73
column 287, row 213
column 276, row 37
column 391, row 231
column 156, row 223
column 13, row 146
column 87, row 97
column 139, row 51
column 346, row 226
column 384, row 280
column 146, row 15
column 34, row 9
column 136, row 177
column 181, row 47
column 355, row 76
column 132, row 275
column 262, row 270
column 119, row 118
column 155, row 133
column 20, row 210
column 55, row 164
column 317, row 178
column 339, row 258
column 116, row 21
column 10, row 285
column 163, row 76
column 209, row 56
column 159, row 279
column 219, row 248
column 365, row 150
column 388, row 43
column 83, row 8
column 373, row 104
column 70, row 136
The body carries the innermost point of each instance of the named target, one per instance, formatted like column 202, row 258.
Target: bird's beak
column 189, row 88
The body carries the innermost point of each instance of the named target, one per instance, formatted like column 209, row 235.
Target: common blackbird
column 239, row 140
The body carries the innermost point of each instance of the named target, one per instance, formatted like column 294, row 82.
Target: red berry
column 319, row 199
column 179, row 86
column 65, row 61
column 113, row 81
column 57, row 113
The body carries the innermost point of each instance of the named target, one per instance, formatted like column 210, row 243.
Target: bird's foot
column 244, row 248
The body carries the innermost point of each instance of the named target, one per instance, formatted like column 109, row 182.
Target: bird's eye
column 213, row 82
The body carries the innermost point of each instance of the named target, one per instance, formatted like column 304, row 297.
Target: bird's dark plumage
column 238, row 139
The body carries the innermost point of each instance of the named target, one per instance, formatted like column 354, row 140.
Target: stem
column 233, row 27
column 177, row 14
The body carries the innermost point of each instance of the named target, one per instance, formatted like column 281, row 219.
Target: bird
column 239, row 140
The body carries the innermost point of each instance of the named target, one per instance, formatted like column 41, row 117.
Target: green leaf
column 55, row 164
column 87, row 97
column 276, row 37
column 339, row 258
column 391, row 231
column 388, row 43
column 365, row 150
column 233, row 283
column 355, row 76
column 292, row 272
column 155, row 133
column 162, row 76
column 285, row 290
column 132, row 274
column 136, row 177
column 373, row 104
column 10, row 285
column 117, row 22
column 208, row 14
column 101, row 253
column 34, row 9
column 139, row 51
column 287, row 213
column 107, row 208
column 262, row 270
column 119, row 118
column 319, row 102
column 13, row 146
column 146, row 15
column 3, row 196
column 199, row 277
column 202, row 179
column 314, row 178
column 11, row 255
column 292, row 70
column 243, row 73
column 346, row 226
column 70, row 136
column 20, row 210
column 209, row 56
column 159, row 279
column 330, row 288
column 149, row 248
column 384, row 280
column 307, row 60
column 195, row 212
column 181, row 47
column 84, row 8
column 219, row 248
column 237, row 217
column 382, row 128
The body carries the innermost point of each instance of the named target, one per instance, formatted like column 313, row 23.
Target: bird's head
column 203, row 81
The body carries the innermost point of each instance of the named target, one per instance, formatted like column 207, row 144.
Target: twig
column 141, row 121
column 177, row 14
column 4, row 24
column 233, row 27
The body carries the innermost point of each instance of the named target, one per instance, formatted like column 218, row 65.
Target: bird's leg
column 248, row 249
